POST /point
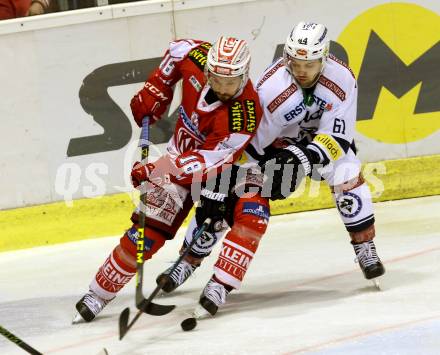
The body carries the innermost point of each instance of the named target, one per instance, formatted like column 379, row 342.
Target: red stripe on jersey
column 282, row 97
column 333, row 87
column 337, row 60
column 270, row 73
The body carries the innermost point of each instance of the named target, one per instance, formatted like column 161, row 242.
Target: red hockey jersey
column 209, row 133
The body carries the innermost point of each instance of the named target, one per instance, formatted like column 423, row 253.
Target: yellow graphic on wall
column 409, row 32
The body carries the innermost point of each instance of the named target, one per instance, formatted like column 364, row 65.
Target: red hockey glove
column 151, row 101
column 141, row 173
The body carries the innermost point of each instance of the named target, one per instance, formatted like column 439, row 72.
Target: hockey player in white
column 309, row 99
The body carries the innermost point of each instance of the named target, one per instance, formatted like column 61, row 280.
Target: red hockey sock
column 251, row 215
column 111, row 276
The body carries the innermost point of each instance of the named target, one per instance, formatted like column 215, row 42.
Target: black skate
column 88, row 307
column 181, row 273
column 369, row 262
column 213, row 295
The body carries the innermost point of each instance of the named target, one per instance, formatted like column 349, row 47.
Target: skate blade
column 77, row 319
column 103, row 352
column 200, row 313
column 376, row 284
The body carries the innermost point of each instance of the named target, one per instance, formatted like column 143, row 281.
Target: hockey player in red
column 309, row 100
column 218, row 116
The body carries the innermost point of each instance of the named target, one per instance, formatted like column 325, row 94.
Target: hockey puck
column 188, row 324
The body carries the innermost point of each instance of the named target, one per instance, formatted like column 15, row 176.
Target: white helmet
column 229, row 57
column 307, row 41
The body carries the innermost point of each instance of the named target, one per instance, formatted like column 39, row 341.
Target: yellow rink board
column 109, row 215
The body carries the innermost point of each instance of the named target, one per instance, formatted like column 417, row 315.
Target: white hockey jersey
column 324, row 119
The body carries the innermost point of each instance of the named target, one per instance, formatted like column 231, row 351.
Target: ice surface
column 302, row 294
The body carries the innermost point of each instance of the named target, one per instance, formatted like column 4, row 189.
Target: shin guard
column 355, row 207
column 251, row 216
column 120, row 266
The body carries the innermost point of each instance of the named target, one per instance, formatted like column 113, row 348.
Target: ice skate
column 180, row 274
column 213, row 295
column 369, row 262
column 88, row 307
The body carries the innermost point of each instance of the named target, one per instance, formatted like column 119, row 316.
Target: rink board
column 109, row 215
column 299, row 295
column 68, row 140
column 65, row 103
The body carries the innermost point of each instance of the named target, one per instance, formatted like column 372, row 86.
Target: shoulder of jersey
column 181, row 48
column 277, row 91
column 337, row 77
column 274, row 71
column 249, row 92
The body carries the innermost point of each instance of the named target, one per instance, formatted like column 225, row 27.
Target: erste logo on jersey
column 191, row 124
column 299, row 109
column 289, row 116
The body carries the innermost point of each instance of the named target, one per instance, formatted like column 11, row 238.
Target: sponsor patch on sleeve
column 206, row 45
column 198, row 56
column 195, row 83
column 256, row 209
column 329, row 145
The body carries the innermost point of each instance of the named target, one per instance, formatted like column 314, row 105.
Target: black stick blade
column 123, row 322
column 155, row 309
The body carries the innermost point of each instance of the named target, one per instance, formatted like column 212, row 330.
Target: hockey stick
column 146, row 305
column 140, row 240
column 17, row 341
